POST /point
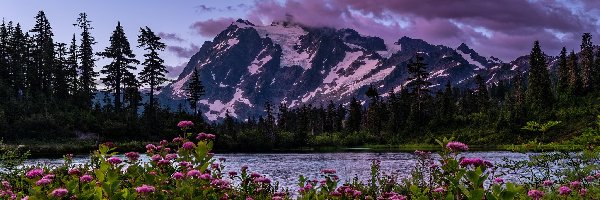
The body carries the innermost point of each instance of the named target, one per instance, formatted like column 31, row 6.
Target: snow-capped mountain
column 247, row 65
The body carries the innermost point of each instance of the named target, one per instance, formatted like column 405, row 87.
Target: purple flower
column 170, row 156
column 262, row 180
column 535, row 194
column 185, row 124
column 590, row 178
column 74, row 171
column 194, row 173
column 457, row 146
column 205, row 136
column 177, row 175
column 189, row 145
column 144, row 189
column 150, row 147
column 185, row 164
column 423, row 154
column 156, row 157
column 254, row 175
column 177, row 140
column 232, row 173
column 43, row 181
column 114, row 160
column 476, row 162
column 328, row 171
column 163, row 142
column 205, row 176
column 49, row 176
column 132, row 156
column 548, row 183
column 575, row 184
column 498, row 180
column 219, row 183
column 164, row 162
column 59, row 192
column 582, row 191
column 85, row 178
column 564, row 190
column 34, row 173
column 439, row 190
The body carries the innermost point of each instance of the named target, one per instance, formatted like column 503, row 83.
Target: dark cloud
column 205, row 8
column 170, row 36
column 503, row 28
column 183, row 52
column 175, row 71
column 211, row 27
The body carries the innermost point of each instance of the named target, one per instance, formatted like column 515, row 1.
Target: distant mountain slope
column 247, row 65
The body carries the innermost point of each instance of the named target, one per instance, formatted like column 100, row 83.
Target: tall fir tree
column 355, row 113
column 539, row 95
column 154, row 70
column 418, row 87
column 4, row 52
column 44, row 54
column 61, row 84
column 87, row 75
column 19, row 60
column 563, row 72
column 587, row 60
column 596, row 72
column 574, row 83
column 481, row 94
column 122, row 63
column 72, row 67
column 195, row 90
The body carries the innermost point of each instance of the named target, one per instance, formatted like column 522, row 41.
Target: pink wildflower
column 144, row 189
column 564, row 190
column 85, row 178
column 476, row 162
column 74, row 171
column 177, row 140
column 185, row 124
column 575, row 184
column 163, row 142
column 205, row 136
column 34, row 173
column 535, row 194
column 59, row 192
column 232, row 173
column 548, row 183
column 114, row 160
column 177, row 175
column 582, row 191
column 205, row 176
column 189, row 145
column 457, row 146
column 498, row 180
column 439, row 190
column 43, row 181
column 156, row 158
column 590, row 178
column 194, row 173
column 132, row 156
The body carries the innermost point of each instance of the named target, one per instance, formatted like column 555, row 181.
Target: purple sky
column 501, row 28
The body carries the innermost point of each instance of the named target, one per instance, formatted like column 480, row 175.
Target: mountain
column 247, row 65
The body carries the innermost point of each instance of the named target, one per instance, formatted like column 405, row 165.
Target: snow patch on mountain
column 470, row 60
column 179, row 86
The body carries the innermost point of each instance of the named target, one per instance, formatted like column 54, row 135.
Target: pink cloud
column 211, row 27
column 183, row 52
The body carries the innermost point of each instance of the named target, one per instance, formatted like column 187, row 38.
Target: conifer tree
column 481, row 94
column 61, row 85
column 354, row 116
column 154, row 70
column 72, row 66
column 18, row 50
column 121, row 65
column 87, row 84
column 195, row 90
column 538, row 95
column 418, row 87
column 587, row 59
column 563, row 75
column 596, row 72
column 43, row 54
column 574, row 83
column 4, row 51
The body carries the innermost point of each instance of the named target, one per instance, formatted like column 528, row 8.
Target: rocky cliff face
column 247, row 65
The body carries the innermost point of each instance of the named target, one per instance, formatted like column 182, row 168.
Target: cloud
column 183, row 52
column 175, row 71
column 170, row 36
column 211, row 27
column 502, row 28
column 204, row 8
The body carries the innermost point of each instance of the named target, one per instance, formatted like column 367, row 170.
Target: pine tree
column 418, row 87
column 587, row 59
column 195, row 90
column 354, row 116
column 19, row 60
column 538, row 96
column 120, row 67
column 131, row 92
column 4, row 51
column 87, row 84
column 481, row 94
column 574, row 83
column 154, row 71
column 72, row 66
column 563, row 75
column 61, row 85
column 596, row 71
column 43, row 54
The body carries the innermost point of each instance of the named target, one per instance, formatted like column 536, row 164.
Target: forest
column 51, row 92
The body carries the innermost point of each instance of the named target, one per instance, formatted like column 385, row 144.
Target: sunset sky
column 501, row 28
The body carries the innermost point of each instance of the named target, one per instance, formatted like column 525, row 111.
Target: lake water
column 285, row 168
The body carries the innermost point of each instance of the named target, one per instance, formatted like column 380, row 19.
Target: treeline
column 48, row 88
column 486, row 114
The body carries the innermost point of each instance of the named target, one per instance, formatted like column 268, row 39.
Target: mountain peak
column 464, row 48
column 245, row 22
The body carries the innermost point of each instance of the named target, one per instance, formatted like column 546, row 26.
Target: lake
column 286, row 167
